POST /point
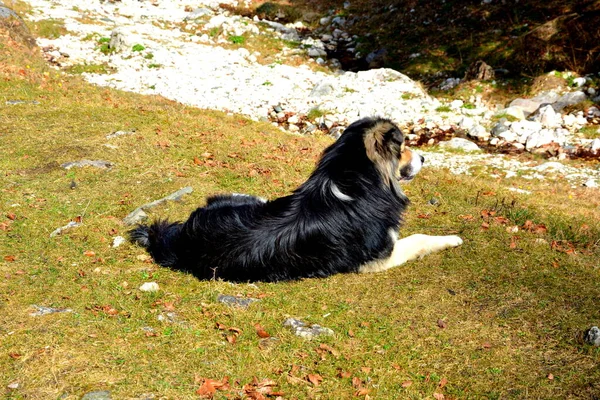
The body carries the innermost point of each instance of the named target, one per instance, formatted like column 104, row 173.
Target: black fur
column 310, row 233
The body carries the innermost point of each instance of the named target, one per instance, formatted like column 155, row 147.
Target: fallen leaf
column 366, row 370
column 486, row 345
column 406, row 384
column 89, row 253
column 11, row 216
column 485, row 226
column 231, row 338
column 356, row 382
column 443, row 382
column 315, row 379
column 424, row 216
column 261, row 332
column 330, row 349
column 442, row 324
column 550, row 377
column 197, row 161
column 10, row 258
column 14, row 356
column 438, row 396
column 344, row 374
column 467, row 217
column 362, row 392
column 350, row 333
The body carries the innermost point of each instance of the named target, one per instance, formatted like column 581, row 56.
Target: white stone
column 548, row 117
column 118, row 240
column 544, row 137
column 595, row 145
column 456, row 104
column 525, row 128
column 549, row 166
column 293, row 119
column 460, row 144
column 479, row 132
column 466, row 123
column 149, row 287
column 591, row 183
column 579, row 81
column 514, row 112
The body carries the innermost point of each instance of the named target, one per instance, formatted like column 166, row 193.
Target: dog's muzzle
column 410, row 170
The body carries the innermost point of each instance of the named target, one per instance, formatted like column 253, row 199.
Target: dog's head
column 386, row 148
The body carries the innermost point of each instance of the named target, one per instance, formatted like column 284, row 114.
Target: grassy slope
column 513, row 314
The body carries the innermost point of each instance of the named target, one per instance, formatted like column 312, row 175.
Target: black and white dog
column 344, row 218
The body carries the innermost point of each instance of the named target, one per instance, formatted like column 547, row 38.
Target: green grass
column 89, row 68
column 49, row 28
column 237, row 39
column 137, row 47
column 512, row 310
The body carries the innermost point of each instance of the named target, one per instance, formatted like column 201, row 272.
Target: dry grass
column 499, row 317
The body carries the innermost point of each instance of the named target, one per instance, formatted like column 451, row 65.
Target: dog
column 344, row 218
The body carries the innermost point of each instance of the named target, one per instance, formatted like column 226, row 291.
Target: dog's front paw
column 453, row 241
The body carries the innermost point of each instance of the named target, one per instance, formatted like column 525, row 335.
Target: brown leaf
column 261, row 332
column 14, row 356
column 362, row 392
column 356, row 382
column 89, row 253
column 10, row 258
column 443, row 382
column 438, row 396
column 424, row 216
column 315, row 379
column 344, row 374
column 220, row 326
column 406, row 384
column 397, row 367
column 11, row 216
column 168, row 306
column 467, row 217
column 197, row 161
column 550, row 377
column 486, row 345
column 231, row 338
column 330, row 349
column 442, row 324
column 485, row 226
column 207, row 390
column 350, row 333
column 366, row 370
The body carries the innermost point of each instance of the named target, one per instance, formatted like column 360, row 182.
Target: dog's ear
column 393, row 140
column 384, row 141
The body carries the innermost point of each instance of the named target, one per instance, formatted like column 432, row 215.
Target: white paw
column 453, row 241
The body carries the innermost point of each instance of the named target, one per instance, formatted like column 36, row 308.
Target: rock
column 525, row 128
column 434, row 200
column 513, row 112
column 579, row 82
column 466, row 123
column 324, row 20
column 169, row 317
column 120, row 133
column 480, row 71
column 135, row 217
column 569, row 99
column 118, row 240
column 138, row 215
column 592, row 336
column 299, row 328
column 499, row 128
column 479, row 132
column 376, row 59
column 544, row 137
column 595, row 145
column 293, row 119
column 242, row 302
column 336, row 132
column 322, row 88
column 149, row 287
column 99, row 395
column 293, row 128
column 316, row 52
column 549, row 166
column 591, row 183
column 529, row 106
column 548, row 117
column 197, row 13
column 16, row 28
column 117, row 40
column 546, row 97
column 456, row 104
column 85, row 163
column 41, row 310
column 58, row 231
column 508, row 136
column 460, row 144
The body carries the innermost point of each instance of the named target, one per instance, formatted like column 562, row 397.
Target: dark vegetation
column 521, row 38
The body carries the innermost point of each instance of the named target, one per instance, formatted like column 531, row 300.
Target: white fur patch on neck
column 338, row 193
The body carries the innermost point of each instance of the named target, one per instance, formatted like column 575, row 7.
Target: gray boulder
column 16, row 28
column 460, row 144
column 569, row 99
column 529, row 106
column 592, row 336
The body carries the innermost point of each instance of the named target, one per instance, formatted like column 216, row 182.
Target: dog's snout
column 422, row 159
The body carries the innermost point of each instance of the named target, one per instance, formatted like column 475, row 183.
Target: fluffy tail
column 160, row 240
